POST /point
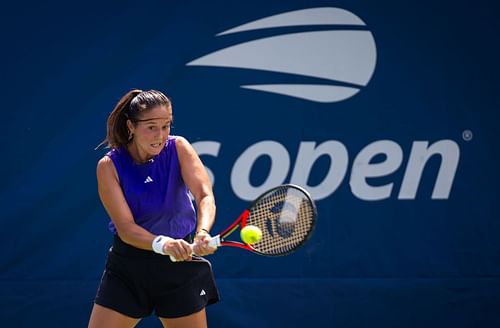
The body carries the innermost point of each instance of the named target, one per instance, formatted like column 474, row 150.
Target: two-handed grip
column 214, row 242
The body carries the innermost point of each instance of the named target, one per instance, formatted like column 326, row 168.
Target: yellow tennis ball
column 250, row 234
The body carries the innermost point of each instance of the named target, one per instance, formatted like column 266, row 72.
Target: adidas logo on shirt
column 148, row 180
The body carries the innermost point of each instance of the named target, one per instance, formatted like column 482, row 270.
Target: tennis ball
column 250, row 234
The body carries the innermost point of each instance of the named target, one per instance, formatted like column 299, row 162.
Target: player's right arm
column 116, row 206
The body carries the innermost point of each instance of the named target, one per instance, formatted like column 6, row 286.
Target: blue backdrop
column 386, row 111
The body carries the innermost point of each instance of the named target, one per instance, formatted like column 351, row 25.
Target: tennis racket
column 285, row 214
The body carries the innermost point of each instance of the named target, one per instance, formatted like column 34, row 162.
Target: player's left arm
column 196, row 178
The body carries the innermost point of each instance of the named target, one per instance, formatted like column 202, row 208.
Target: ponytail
column 117, row 131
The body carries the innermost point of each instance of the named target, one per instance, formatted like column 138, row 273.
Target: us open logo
column 340, row 56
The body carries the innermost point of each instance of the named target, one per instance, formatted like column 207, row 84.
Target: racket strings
column 286, row 218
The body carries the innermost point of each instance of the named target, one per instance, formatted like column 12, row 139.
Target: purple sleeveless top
column 155, row 192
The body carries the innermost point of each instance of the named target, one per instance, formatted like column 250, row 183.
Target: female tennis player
column 144, row 183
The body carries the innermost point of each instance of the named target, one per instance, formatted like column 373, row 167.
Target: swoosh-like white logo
column 341, row 56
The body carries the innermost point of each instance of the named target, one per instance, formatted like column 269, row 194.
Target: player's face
column 151, row 132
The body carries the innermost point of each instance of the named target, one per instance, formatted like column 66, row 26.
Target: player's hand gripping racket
column 286, row 215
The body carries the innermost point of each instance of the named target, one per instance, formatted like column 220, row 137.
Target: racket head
column 286, row 215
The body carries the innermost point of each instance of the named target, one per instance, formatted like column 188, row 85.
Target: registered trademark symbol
column 467, row 135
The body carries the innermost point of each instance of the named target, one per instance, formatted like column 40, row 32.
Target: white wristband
column 158, row 244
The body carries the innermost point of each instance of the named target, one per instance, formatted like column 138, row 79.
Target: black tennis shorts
column 138, row 283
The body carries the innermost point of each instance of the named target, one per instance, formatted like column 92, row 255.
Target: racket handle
column 214, row 242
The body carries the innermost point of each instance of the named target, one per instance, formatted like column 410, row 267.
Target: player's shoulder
column 105, row 165
column 104, row 161
column 182, row 144
column 179, row 139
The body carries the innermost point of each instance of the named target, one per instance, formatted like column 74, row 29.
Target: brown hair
column 130, row 107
